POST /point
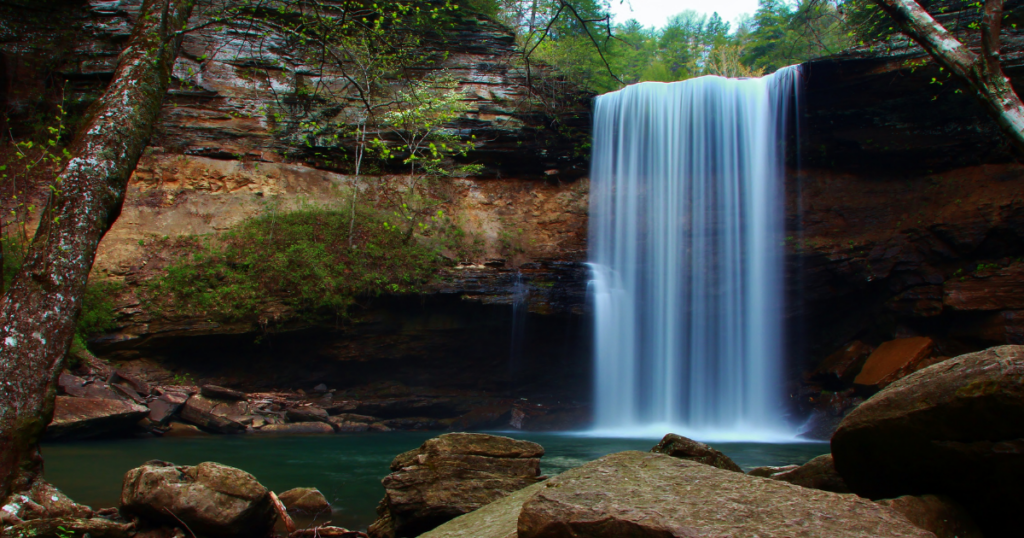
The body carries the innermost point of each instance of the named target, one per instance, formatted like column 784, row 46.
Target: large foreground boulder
column 83, row 418
column 210, row 498
column 678, row 446
column 638, row 495
column 954, row 428
column 451, row 475
column 496, row 520
column 641, row 495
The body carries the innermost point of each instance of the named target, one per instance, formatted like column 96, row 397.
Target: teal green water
column 346, row 468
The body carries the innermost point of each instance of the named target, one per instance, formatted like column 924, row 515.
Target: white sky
column 656, row 12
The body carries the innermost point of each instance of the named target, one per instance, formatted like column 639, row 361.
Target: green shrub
column 301, row 258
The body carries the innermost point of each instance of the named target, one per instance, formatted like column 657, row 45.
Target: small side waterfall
column 685, row 243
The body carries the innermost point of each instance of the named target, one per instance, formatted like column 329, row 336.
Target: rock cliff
column 903, row 212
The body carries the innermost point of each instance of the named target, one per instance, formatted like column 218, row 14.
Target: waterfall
column 686, row 232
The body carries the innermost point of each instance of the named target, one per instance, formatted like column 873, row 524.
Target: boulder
column 496, row 520
column 166, row 406
column 221, row 393
column 894, row 359
column 306, row 414
column 451, row 475
column 180, row 429
column 819, row 473
column 83, row 418
column 685, row 448
column 840, row 368
column 210, row 498
column 214, row 415
column 640, row 495
column 297, row 428
column 128, row 393
column 80, row 388
column 43, row 500
column 954, row 428
column 120, row 377
column 305, row 501
column 936, row 513
column 344, row 426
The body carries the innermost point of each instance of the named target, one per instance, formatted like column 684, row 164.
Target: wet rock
column 767, row 471
column 71, row 385
column 306, row 414
column 179, row 429
column 640, row 494
column 210, row 498
column 451, row 475
column 320, row 389
column 894, row 359
column 941, row 515
column 964, row 414
column 213, row 415
column 840, row 368
column 80, row 388
column 120, row 377
column 819, row 473
column 166, row 406
column 496, row 520
column 417, row 423
column 221, row 393
column 128, row 393
column 350, row 427
column 297, row 428
column 678, row 446
column 83, row 418
column 305, row 501
column 68, row 526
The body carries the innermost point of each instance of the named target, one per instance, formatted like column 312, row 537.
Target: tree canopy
column 580, row 39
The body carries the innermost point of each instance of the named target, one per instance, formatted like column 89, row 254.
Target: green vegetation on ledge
column 301, row 259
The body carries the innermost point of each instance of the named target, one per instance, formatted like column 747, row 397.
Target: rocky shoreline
column 98, row 399
column 935, row 453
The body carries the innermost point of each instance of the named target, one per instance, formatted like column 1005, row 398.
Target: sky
column 656, row 12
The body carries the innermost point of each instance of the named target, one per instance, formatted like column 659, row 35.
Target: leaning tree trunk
column 983, row 72
column 39, row 310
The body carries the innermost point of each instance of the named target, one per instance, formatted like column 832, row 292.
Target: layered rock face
column 903, row 213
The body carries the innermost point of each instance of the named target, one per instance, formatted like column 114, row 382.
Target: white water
column 686, row 234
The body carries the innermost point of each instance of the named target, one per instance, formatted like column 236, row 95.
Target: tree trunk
column 38, row 313
column 983, row 73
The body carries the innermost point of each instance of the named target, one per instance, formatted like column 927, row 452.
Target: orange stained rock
column 893, row 356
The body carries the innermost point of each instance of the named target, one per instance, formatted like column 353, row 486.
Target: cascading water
column 685, row 246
